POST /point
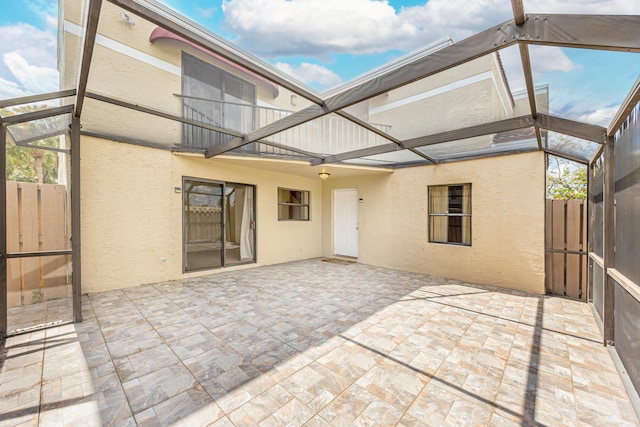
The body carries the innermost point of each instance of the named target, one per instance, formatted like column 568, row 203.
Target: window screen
column 450, row 214
column 293, row 205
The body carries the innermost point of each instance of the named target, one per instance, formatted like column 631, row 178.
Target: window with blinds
column 450, row 214
column 293, row 205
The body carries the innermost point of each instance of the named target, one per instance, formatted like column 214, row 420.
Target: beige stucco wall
column 132, row 217
column 507, row 221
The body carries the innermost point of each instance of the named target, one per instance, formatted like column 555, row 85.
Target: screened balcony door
column 214, row 97
column 219, row 224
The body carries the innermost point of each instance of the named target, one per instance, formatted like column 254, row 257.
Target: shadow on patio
column 317, row 343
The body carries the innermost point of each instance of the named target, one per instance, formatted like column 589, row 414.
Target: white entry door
column 345, row 222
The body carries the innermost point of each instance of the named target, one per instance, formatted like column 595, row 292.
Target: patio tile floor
column 317, row 344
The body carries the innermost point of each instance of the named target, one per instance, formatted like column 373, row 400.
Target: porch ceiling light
column 324, row 175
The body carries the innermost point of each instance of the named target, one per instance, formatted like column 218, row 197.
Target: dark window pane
column 449, row 214
column 293, row 205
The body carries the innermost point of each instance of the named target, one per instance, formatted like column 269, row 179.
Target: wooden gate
column 566, row 248
column 37, row 221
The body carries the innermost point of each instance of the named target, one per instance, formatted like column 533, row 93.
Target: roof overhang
column 160, row 33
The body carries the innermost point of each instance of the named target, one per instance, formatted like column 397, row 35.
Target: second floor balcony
column 327, row 135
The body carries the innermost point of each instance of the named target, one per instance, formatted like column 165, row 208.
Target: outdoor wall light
column 324, row 175
column 127, row 19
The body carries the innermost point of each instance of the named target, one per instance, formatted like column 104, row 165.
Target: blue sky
column 328, row 42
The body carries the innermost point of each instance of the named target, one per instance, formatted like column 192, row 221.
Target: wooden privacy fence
column 566, row 248
column 37, row 221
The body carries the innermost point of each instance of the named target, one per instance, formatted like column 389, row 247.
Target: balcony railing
column 325, row 135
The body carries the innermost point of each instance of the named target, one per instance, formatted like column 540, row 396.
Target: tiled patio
column 314, row 343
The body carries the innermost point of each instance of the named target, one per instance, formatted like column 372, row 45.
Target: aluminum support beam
column 632, row 99
column 36, row 115
column 596, row 156
column 566, row 156
column 580, row 130
column 620, row 33
column 518, row 11
column 36, row 98
column 454, row 135
column 190, row 150
column 88, row 43
column 506, row 125
column 158, row 113
column 539, row 139
column 528, row 78
column 600, row 32
column 476, row 46
column 363, row 152
column 3, row 234
column 608, row 240
column 424, row 156
column 76, row 247
column 488, row 155
column 369, row 127
column 292, row 149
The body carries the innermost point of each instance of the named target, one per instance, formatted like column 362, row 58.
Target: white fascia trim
column 540, row 89
column 101, row 40
column 433, row 92
column 495, row 82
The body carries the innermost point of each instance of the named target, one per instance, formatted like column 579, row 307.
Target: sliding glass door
column 219, row 224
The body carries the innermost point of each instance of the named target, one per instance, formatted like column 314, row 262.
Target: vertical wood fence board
column 13, row 266
column 584, row 259
column 565, row 229
column 557, row 242
column 28, row 211
column 573, row 233
column 548, row 259
column 558, row 274
column 548, row 271
column 574, row 208
column 36, row 220
column 53, row 227
column 573, row 275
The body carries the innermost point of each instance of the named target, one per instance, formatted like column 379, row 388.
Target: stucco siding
column 507, row 221
column 132, row 216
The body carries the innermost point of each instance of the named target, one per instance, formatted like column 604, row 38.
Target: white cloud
column 35, row 45
column 310, row 74
column 601, row 116
column 549, row 58
column 9, row 89
column 206, row 13
column 543, row 59
column 35, row 79
column 319, row 27
column 314, row 27
column 43, row 8
column 29, row 58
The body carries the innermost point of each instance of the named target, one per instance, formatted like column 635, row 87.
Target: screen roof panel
column 584, row 85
